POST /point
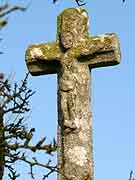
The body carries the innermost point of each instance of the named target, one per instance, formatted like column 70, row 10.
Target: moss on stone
column 72, row 57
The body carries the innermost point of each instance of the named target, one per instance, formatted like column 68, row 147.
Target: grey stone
column 72, row 57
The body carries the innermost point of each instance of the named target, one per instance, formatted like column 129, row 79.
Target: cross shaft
column 72, row 57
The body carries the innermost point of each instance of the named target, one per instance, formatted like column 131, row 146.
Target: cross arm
column 100, row 51
column 43, row 58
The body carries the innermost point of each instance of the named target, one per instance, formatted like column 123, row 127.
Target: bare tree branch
column 15, row 138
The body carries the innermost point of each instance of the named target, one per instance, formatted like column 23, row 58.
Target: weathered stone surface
column 72, row 57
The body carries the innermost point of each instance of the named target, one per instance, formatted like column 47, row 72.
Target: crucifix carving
column 72, row 57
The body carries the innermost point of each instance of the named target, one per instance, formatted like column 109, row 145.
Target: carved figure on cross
column 71, row 57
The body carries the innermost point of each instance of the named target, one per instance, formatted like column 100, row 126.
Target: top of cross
column 72, row 26
column 73, row 40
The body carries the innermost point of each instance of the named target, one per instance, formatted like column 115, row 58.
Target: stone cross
column 71, row 57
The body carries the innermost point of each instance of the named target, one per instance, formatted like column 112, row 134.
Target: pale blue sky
column 113, row 88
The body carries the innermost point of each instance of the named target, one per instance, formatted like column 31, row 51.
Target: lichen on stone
column 36, row 53
column 71, row 57
column 77, row 155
